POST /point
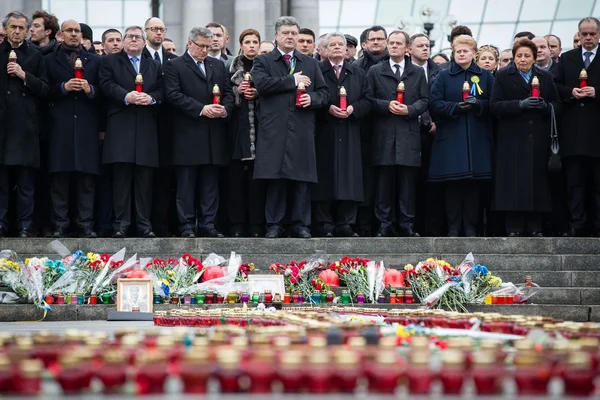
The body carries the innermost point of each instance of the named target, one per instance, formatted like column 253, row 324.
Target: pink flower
column 293, row 280
column 295, row 270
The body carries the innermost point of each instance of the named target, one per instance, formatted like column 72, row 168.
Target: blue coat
column 462, row 148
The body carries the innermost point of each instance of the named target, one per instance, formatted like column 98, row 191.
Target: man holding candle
column 199, row 131
column 285, row 148
column 340, row 186
column 580, row 142
column 131, row 144
column 73, row 125
column 396, row 140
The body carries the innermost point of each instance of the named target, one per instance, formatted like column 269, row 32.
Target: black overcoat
column 339, row 163
column 579, row 123
column 522, row 149
column 73, row 118
column 396, row 139
column 286, row 134
column 20, row 111
column 197, row 140
column 131, row 130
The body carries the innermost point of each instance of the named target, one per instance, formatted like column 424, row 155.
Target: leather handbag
column 554, row 164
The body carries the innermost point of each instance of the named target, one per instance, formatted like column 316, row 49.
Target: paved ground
column 60, row 326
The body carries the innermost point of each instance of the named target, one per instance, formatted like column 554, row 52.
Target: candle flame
column 400, row 86
column 301, row 86
column 342, row 90
column 247, row 76
column 139, row 78
column 78, row 63
column 216, row 89
column 12, row 55
column 583, row 73
column 466, row 86
column 535, row 81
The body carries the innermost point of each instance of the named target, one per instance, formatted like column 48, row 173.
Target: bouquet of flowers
column 302, row 276
column 186, row 274
column 54, row 270
column 159, row 269
column 242, row 275
column 10, row 274
column 353, row 274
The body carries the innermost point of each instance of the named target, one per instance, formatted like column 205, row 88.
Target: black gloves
column 533, row 103
column 471, row 100
column 463, row 106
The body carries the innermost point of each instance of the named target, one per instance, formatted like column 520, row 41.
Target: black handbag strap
column 554, row 145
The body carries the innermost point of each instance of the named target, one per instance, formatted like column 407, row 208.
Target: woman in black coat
column 521, row 181
column 246, row 196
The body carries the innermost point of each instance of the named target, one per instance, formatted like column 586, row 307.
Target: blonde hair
column 488, row 49
column 465, row 40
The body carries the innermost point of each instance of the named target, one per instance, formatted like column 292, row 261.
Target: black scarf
column 47, row 49
column 73, row 53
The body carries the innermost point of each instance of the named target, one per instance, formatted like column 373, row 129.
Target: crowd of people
column 300, row 136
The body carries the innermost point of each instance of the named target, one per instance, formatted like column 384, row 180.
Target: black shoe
column 212, row 233
column 514, row 234
column 346, row 232
column 2, row 231
column 302, row 232
column 383, row 232
column 148, row 234
column 25, row 233
column 88, row 233
column 119, row 235
column 574, row 232
column 327, row 235
column 362, row 232
column 470, row 234
column 452, row 233
column 188, row 233
column 274, row 232
column 537, row 234
column 237, row 234
column 59, row 233
column 104, row 233
column 409, row 232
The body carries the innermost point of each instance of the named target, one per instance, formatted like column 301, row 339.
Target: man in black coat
column 285, row 149
column 396, row 136
column 163, row 198
column 23, row 84
column 131, row 143
column 73, row 127
column 199, row 131
column 579, row 139
column 339, row 163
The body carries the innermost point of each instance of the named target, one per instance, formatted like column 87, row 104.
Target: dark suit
column 199, row 143
column 163, row 196
column 20, row 130
column 579, row 138
column 131, row 143
column 73, row 126
column 396, row 142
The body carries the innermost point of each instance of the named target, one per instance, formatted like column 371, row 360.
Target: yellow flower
column 409, row 267
column 92, row 256
column 166, row 282
column 170, row 273
column 430, row 260
column 27, row 261
column 401, row 331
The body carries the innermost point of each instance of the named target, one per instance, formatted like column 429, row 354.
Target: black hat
column 86, row 31
column 351, row 40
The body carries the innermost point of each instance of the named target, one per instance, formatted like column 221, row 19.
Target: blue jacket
column 462, row 148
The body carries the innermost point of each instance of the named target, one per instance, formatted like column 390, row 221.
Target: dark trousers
column 557, row 222
column 60, row 190
column 462, row 205
column 197, row 189
column 277, row 200
column 396, row 186
column 128, row 178
column 24, row 189
column 163, row 201
column 583, row 181
column 345, row 215
column 521, row 222
column 429, row 214
column 245, row 197
column 364, row 215
column 42, row 205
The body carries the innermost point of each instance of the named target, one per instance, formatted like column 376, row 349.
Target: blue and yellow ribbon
column 475, row 79
column 292, row 66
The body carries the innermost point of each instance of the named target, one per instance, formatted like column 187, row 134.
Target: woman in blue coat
column 461, row 155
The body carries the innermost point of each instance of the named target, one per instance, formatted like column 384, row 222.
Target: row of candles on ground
column 273, row 363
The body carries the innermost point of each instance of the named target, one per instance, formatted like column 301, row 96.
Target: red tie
column 287, row 58
column 338, row 70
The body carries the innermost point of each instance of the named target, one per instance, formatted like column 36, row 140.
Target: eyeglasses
column 133, row 37
column 72, row 30
column 157, row 29
column 202, row 46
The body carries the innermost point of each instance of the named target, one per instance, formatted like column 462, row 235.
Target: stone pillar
column 306, row 12
column 27, row 7
column 172, row 16
column 273, row 10
column 249, row 14
column 195, row 13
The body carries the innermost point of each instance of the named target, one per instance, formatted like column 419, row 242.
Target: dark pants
column 277, row 202
column 60, row 190
column 345, row 215
column 42, row 205
column 163, row 201
column 104, row 200
column 429, row 214
column 579, row 170
column 245, row 198
column 396, row 187
column 462, row 206
column 128, row 178
column 557, row 222
column 364, row 215
column 197, row 189
column 25, row 185
column 521, row 222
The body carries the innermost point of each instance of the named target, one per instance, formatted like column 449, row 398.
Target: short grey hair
column 135, row 28
column 200, row 31
column 589, row 19
column 18, row 15
column 285, row 21
column 332, row 35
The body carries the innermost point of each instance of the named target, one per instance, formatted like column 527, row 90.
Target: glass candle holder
column 452, row 374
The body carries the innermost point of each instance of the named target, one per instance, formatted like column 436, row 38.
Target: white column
column 306, row 12
column 27, row 7
column 195, row 13
column 272, row 12
column 249, row 14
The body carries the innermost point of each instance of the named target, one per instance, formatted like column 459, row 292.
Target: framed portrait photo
column 134, row 294
column 274, row 283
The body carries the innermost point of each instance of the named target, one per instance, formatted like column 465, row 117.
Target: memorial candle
column 216, row 94
column 139, row 83
column 78, row 69
column 465, row 91
column 583, row 77
column 343, row 104
column 299, row 92
column 535, row 87
column 12, row 57
column 400, row 93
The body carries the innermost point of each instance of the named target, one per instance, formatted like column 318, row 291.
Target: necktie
column 287, row 59
column 338, row 70
column 587, row 60
column 398, row 74
column 134, row 62
column 201, row 68
column 156, row 56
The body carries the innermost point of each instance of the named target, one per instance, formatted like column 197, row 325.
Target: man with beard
column 155, row 31
column 23, row 84
column 306, row 42
column 112, row 41
column 42, row 34
column 74, row 123
column 217, row 49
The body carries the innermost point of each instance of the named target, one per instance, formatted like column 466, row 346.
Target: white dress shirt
column 594, row 51
column 401, row 63
column 152, row 51
column 424, row 66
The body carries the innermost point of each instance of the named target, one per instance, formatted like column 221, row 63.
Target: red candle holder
column 583, row 78
column 72, row 377
column 151, row 373
column 383, row 374
column 291, row 372
column 113, row 372
column 78, row 69
column 343, row 104
column 28, row 381
column 216, row 94
column 419, row 375
column 578, row 376
column 535, row 87
column 487, row 376
column 319, row 373
column 452, row 372
column 261, row 372
column 299, row 92
column 532, row 374
column 12, row 58
column 195, row 371
column 139, row 83
column 465, row 90
column 6, row 375
column 400, row 93
column 229, row 372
